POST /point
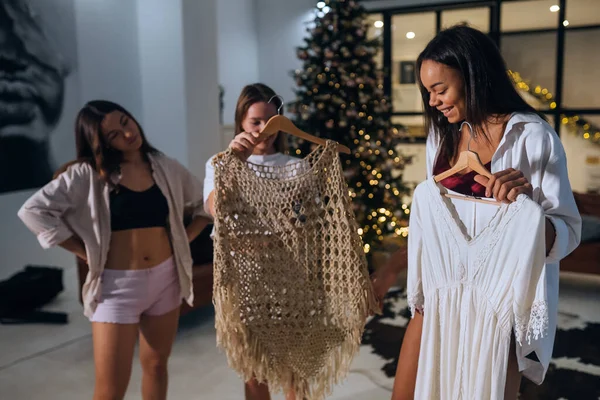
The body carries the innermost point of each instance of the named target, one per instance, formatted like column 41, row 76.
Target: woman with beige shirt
column 120, row 207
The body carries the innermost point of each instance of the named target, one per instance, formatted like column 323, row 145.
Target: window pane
column 583, row 12
column 528, row 15
column 409, row 127
column 582, row 154
column 584, row 126
column 476, row 17
column 581, row 88
column 410, row 35
column 533, row 57
column 375, row 31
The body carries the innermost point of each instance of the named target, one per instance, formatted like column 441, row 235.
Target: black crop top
column 132, row 210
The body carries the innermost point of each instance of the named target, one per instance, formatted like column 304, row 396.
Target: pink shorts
column 128, row 294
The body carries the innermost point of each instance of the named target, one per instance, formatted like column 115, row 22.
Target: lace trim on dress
column 533, row 323
column 415, row 302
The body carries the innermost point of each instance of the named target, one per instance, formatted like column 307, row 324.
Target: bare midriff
column 141, row 248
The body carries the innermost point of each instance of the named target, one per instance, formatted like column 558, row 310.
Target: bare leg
column 408, row 361
column 256, row 391
column 157, row 334
column 113, row 355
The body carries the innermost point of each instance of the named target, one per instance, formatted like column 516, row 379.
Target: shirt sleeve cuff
column 561, row 240
column 53, row 237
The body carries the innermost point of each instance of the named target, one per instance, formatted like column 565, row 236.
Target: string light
column 574, row 123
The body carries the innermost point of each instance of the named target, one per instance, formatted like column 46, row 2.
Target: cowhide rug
column 574, row 373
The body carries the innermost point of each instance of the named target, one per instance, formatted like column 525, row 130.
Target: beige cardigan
column 77, row 203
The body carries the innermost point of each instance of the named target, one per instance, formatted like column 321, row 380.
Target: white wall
column 179, row 78
column 201, row 82
column 108, row 52
column 281, row 28
column 237, row 28
column 161, row 72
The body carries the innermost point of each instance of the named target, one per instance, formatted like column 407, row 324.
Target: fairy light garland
column 574, row 123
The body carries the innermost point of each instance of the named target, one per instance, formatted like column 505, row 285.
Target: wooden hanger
column 467, row 159
column 280, row 123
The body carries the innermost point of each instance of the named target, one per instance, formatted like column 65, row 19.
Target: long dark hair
column 487, row 87
column 91, row 146
column 256, row 93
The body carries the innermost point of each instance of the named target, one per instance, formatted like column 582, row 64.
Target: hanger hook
column 470, row 134
column 280, row 105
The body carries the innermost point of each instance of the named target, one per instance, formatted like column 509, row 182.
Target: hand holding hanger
column 505, row 185
column 244, row 143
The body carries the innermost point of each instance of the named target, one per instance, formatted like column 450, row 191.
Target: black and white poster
column 39, row 90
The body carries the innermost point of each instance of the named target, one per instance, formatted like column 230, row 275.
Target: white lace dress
column 474, row 291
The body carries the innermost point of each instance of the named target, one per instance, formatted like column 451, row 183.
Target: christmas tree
column 340, row 97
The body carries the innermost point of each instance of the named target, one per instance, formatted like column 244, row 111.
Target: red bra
column 464, row 184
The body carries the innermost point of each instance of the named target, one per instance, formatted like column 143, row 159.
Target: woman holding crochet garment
column 462, row 77
column 256, row 104
column 120, row 207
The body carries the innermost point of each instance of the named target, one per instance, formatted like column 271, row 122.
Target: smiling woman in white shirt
column 120, row 207
column 463, row 77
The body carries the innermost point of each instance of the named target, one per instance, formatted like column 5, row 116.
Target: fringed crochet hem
column 248, row 357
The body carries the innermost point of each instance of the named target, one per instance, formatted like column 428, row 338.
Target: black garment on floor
column 24, row 293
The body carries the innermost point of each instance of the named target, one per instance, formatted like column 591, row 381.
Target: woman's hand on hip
column 506, row 185
column 244, row 143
